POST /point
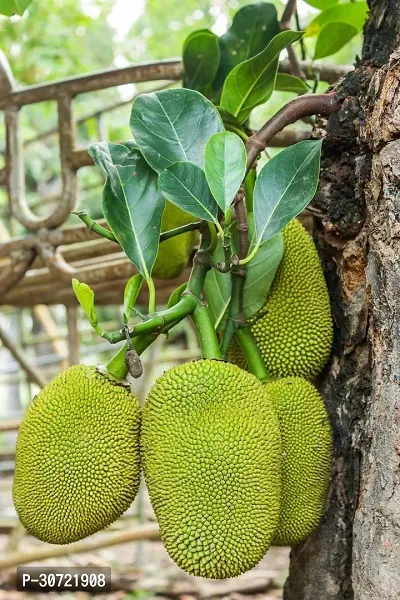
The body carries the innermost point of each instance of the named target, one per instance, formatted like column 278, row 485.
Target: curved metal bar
column 16, row 184
column 20, row 263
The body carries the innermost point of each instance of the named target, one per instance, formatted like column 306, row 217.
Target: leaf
column 225, row 167
column 284, row 187
column 353, row 13
column 85, row 297
column 173, row 126
column 176, row 295
column 13, row 7
column 253, row 27
column 261, row 270
column 218, row 290
column 332, row 37
column 131, row 293
column 290, row 83
column 260, row 273
column 321, row 4
column 231, row 123
column 201, row 56
column 132, row 204
column 185, row 185
column 252, row 82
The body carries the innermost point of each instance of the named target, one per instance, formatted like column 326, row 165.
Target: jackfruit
column 77, row 464
column 173, row 255
column 306, row 457
column 293, row 330
column 211, row 456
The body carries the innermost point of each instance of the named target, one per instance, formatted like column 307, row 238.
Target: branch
column 288, row 14
column 295, row 68
column 303, row 106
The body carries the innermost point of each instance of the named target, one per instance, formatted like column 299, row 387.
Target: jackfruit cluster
column 211, row 453
column 77, row 464
column 293, row 330
column 173, row 255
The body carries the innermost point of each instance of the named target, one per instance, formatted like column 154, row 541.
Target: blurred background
column 63, row 38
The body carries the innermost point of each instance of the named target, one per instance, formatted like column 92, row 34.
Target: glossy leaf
column 260, row 273
column 173, row 126
column 131, row 293
column 290, row 83
column 225, row 167
column 201, row 56
column 284, row 187
column 321, row 4
column 353, row 13
column 13, row 7
column 252, row 82
column 232, row 124
column 218, row 290
column 185, row 185
column 332, row 37
column 253, row 27
column 261, row 270
column 85, row 297
column 132, row 203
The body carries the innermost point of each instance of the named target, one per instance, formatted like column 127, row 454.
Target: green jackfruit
column 77, row 465
column 306, row 457
column 174, row 254
column 211, row 455
column 293, row 330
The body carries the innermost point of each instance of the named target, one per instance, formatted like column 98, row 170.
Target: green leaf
column 260, row 273
column 173, row 126
column 290, row 83
column 218, row 290
column 176, row 295
column 232, row 124
column 284, row 187
column 261, row 270
column 252, row 82
column 131, row 293
column 185, row 185
column 253, row 27
column 332, row 37
column 353, row 13
column 13, row 7
column 321, row 4
column 132, row 204
column 85, row 297
column 201, row 56
column 225, row 167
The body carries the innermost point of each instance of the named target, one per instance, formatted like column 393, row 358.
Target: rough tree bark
column 356, row 551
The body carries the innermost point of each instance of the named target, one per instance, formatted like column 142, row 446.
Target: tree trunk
column 356, row 551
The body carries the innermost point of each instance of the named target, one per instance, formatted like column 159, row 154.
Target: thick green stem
column 160, row 320
column 235, row 318
column 152, row 296
column 207, row 335
column 116, row 367
column 252, row 354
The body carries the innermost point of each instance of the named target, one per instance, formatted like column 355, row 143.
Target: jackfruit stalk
column 293, row 330
column 211, row 455
column 77, row 464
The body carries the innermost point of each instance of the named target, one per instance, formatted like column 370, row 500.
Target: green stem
column 160, row 320
column 235, row 316
column 116, row 367
column 152, row 295
column 249, row 183
column 100, row 230
column 207, row 335
column 252, row 354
